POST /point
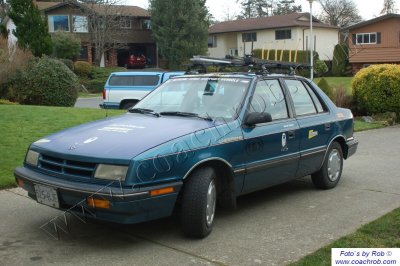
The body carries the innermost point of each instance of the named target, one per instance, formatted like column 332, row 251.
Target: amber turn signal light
column 161, row 191
column 98, row 203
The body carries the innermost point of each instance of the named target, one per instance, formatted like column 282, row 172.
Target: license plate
column 47, row 195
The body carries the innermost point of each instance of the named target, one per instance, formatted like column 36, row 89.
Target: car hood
column 120, row 138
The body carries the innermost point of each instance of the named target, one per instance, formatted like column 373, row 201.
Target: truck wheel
column 329, row 175
column 198, row 203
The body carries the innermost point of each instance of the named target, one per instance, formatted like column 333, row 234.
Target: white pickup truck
column 124, row 89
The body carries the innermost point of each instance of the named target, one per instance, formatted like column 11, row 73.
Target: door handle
column 327, row 126
column 291, row 134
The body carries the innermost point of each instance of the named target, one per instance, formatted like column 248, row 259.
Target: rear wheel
column 329, row 175
column 198, row 203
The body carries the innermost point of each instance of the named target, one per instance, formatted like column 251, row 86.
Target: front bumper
column 127, row 205
column 352, row 145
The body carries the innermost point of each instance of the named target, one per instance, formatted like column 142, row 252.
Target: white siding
column 326, row 39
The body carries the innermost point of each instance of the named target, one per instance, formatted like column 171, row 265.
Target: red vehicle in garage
column 136, row 61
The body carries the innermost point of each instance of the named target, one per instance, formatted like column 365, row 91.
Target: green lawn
column 338, row 82
column 383, row 232
column 21, row 125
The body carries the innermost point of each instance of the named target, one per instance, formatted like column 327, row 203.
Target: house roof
column 371, row 21
column 282, row 21
column 133, row 11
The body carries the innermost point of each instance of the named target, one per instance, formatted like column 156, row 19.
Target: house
column 131, row 35
column 288, row 32
column 374, row 41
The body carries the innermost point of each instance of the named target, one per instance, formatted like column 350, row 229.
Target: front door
column 271, row 149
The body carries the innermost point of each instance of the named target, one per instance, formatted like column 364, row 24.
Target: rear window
column 136, row 80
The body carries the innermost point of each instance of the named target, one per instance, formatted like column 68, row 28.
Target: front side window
column 58, row 23
column 217, row 98
column 249, row 37
column 80, row 23
column 283, row 34
column 302, row 101
column 268, row 97
column 366, row 38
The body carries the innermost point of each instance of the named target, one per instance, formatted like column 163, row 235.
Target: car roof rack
column 200, row 63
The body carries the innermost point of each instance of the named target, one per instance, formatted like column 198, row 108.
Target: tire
column 128, row 105
column 329, row 175
column 199, row 202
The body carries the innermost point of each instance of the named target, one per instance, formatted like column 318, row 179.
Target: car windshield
column 206, row 97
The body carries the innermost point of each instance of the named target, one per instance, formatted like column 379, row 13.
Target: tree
column 105, row 18
column 287, row 7
column 341, row 13
column 66, row 45
column 256, row 8
column 31, row 31
column 389, row 7
column 180, row 28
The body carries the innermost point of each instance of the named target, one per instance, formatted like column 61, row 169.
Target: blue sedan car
column 194, row 142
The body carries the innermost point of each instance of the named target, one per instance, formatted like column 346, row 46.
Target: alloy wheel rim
column 211, row 202
column 334, row 165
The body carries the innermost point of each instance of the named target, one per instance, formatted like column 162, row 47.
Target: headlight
column 32, row 158
column 111, row 172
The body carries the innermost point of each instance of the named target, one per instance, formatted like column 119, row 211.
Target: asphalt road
column 92, row 102
column 271, row 227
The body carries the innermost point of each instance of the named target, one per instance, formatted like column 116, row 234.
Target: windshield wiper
column 143, row 111
column 187, row 114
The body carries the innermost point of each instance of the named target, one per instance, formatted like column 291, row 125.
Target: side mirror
column 255, row 118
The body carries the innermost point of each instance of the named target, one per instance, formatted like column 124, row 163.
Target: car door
column 315, row 125
column 271, row 149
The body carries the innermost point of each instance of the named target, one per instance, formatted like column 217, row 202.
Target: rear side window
column 316, row 100
column 136, row 80
column 268, row 97
column 302, row 101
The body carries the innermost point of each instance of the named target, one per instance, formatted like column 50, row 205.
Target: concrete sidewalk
column 270, row 227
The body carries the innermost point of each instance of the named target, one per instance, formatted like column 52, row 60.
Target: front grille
column 66, row 167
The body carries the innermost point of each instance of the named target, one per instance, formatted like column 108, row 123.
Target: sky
column 368, row 9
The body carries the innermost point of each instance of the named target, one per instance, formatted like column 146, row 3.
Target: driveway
column 271, row 227
column 92, row 102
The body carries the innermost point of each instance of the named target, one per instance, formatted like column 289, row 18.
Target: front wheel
column 329, row 175
column 198, row 203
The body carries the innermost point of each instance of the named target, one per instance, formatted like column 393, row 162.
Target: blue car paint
column 161, row 151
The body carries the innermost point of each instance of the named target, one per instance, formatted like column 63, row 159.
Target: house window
column 84, row 52
column 58, row 23
column 146, row 25
column 125, row 23
column 366, row 38
column 283, row 34
column 249, row 37
column 80, row 24
column 212, row 41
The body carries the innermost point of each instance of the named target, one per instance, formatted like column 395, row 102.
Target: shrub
column 66, row 45
column 324, row 86
column 340, row 57
column 82, row 68
column 320, row 67
column 46, row 81
column 340, row 97
column 376, row 89
column 11, row 63
column 69, row 63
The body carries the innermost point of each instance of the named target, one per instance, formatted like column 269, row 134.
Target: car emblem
column 284, row 142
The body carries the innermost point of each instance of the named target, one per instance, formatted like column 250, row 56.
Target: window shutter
column 378, row 37
column 354, row 38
